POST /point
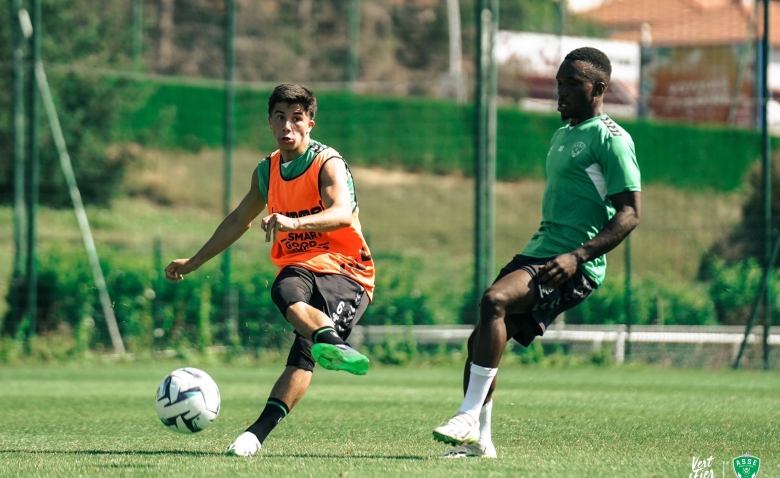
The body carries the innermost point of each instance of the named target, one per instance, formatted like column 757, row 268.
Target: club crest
column 577, row 149
column 746, row 466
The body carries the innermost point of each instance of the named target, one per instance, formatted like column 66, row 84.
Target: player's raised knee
column 493, row 303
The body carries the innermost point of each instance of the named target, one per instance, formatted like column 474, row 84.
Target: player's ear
column 311, row 124
column 599, row 87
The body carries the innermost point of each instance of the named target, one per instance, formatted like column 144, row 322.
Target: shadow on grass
column 207, row 453
column 356, row 457
column 109, row 452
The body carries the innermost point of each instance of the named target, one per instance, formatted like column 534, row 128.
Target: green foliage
column 546, row 355
column 145, row 308
column 89, row 110
column 651, row 301
column 532, row 354
column 419, row 134
column 204, row 319
column 694, row 157
column 733, row 289
column 190, row 314
column 747, row 239
column 156, row 315
column 395, row 350
column 415, row 28
column 399, row 299
column 544, row 16
column 89, row 107
column 602, row 355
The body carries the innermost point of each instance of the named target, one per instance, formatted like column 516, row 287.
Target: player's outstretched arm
column 229, row 230
column 626, row 219
column 336, row 198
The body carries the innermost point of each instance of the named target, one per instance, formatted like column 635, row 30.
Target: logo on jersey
column 577, row 149
column 303, row 212
column 317, row 148
column 611, row 126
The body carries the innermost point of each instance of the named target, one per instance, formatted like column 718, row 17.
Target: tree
column 746, row 240
column 79, row 36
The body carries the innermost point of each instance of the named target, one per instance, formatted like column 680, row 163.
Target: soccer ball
column 187, row 400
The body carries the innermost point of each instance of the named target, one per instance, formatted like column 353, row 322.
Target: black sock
column 273, row 413
column 326, row 335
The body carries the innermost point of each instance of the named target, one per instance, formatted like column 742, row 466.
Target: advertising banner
column 713, row 84
column 539, row 56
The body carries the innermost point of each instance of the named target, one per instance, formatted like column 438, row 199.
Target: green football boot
column 340, row 357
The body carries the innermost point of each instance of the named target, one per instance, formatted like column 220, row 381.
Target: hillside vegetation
column 177, row 196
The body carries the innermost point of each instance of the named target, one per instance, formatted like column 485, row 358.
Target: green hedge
column 733, row 289
column 154, row 314
column 436, row 136
column 653, row 302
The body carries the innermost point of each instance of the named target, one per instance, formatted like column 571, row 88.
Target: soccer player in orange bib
column 326, row 274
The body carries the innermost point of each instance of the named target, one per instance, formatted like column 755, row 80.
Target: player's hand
column 177, row 269
column 558, row 270
column 278, row 222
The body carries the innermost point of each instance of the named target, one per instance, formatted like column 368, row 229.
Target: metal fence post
column 228, row 311
column 485, row 146
column 17, row 280
column 628, row 291
column 34, row 172
column 353, row 26
column 767, row 171
column 138, row 26
column 620, row 346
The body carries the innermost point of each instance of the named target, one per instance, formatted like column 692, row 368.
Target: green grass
column 99, row 420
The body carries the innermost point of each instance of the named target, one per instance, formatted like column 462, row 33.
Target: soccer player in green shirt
column 591, row 203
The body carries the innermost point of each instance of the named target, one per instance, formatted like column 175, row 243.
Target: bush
column 746, row 239
column 653, row 302
column 692, row 157
column 733, row 289
column 399, row 299
column 90, row 109
column 153, row 314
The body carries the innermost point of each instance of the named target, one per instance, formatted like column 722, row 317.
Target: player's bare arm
column 230, row 229
column 626, row 219
column 335, row 196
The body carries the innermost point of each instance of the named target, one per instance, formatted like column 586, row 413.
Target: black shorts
column 548, row 303
column 339, row 297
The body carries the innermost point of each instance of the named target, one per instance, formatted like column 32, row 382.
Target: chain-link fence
column 140, row 90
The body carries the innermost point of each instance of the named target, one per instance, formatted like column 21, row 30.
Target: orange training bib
column 343, row 251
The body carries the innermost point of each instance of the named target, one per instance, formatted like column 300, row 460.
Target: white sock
column 480, row 379
column 485, row 417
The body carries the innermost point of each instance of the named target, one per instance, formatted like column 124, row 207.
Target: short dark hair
column 601, row 68
column 294, row 95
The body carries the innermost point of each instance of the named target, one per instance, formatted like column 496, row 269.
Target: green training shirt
column 296, row 167
column 586, row 165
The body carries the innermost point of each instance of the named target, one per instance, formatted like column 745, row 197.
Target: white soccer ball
column 187, row 400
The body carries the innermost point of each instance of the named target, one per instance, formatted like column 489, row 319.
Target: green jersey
column 586, row 165
column 292, row 169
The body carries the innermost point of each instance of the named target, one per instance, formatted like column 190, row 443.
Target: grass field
column 99, row 420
